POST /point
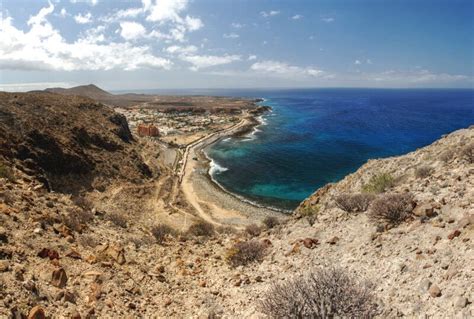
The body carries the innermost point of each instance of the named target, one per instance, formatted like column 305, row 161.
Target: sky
column 179, row 44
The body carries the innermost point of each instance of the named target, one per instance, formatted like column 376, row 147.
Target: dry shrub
column 392, row 208
column 118, row 219
column 6, row 172
column 88, row 241
column 446, row 156
column 141, row 240
column 423, row 171
column 467, row 153
column 324, row 293
column 270, row 222
column 82, row 202
column 77, row 219
column 228, row 230
column 161, row 232
column 201, row 228
column 354, row 203
column 379, row 183
column 253, row 230
column 246, row 252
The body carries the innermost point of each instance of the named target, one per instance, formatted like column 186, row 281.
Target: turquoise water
column 318, row 136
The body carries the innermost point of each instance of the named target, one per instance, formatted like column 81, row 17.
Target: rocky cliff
column 70, row 143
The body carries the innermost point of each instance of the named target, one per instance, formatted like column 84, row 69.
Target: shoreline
column 208, row 160
column 212, row 200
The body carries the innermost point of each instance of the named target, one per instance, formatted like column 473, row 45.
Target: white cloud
column 368, row 61
column 415, row 76
column 237, row 25
column 132, row 30
column 170, row 23
column 230, row 36
column 297, row 17
column 327, row 19
column 91, row 2
column 284, row 69
column 42, row 47
column 252, row 57
column 206, row 61
column 357, row 62
column 267, row 14
column 181, row 50
column 164, row 10
column 193, row 24
column 63, row 13
column 83, row 19
column 23, row 87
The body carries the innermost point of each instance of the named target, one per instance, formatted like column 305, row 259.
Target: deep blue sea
column 317, row 136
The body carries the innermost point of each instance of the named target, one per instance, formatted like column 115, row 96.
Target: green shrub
column 379, row 183
column 310, row 213
column 354, row 203
column 324, row 293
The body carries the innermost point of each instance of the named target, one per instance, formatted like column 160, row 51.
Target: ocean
column 317, row 136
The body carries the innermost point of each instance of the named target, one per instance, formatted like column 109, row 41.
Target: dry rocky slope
column 65, row 258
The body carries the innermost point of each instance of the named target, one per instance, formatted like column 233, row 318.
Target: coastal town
column 175, row 127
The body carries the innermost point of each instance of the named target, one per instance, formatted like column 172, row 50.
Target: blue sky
column 150, row 44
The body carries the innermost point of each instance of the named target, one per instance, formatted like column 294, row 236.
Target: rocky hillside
column 91, row 91
column 69, row 143
column 402, row 227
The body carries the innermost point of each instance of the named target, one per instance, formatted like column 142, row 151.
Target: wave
column 215, row 168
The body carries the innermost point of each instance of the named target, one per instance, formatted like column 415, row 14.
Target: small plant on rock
column 202, row 228
column 246, row 252
column 423, row 171
column 379, row 183
column 354, row 203
column 310, row 212
column 270, row 222
column 323, row 293
column 392, row 208
column 161, row 232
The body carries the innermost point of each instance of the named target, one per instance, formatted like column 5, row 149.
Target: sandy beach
column 210, row 201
